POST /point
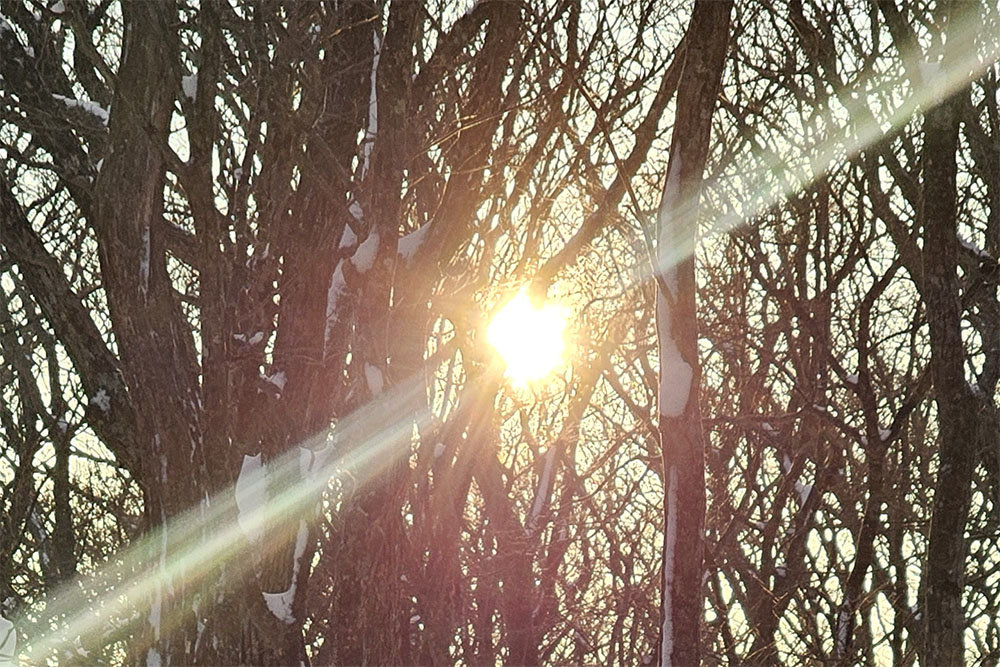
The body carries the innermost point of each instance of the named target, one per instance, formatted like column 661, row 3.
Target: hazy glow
column 528, row 337
column 207, row 542
column 208, row 545
column 855, row 119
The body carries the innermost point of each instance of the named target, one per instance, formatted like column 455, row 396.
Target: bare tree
column 677, row 331
column 249, row 254
column 243, row 225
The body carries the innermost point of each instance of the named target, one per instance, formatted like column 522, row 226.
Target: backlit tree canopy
column 499, row 332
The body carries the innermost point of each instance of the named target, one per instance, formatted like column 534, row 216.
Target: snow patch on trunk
column 338, row 286
column 364, row 256
column 354, row 208
column 676, row 375
column 349, row 239
column 372, row 130
column 313, row 462
column 373, row 376
column 544, row 484
column 279, row 380
column 251, row 497
column 189, row 84
column 101, row 400
column 804, row 491
column 156, row 612
column 280, row 604
column 144, row 262
column 669, row 558
column 199, row 620
column 671, row 193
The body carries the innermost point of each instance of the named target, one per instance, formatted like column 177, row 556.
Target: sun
column 529, row 338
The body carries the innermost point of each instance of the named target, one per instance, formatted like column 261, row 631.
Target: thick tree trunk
column 159, row 363
column 680, row 373
column 151, row 332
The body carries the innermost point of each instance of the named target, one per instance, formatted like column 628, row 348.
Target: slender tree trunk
column 946, row 550
column 680, row 373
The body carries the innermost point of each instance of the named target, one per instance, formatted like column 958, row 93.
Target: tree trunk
column 680, row 373
column 946, row 549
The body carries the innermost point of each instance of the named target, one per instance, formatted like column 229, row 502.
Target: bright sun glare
column 528, row 337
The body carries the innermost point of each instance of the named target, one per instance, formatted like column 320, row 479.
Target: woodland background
column 260, row 243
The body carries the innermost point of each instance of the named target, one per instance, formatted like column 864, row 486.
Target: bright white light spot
column 529, row 338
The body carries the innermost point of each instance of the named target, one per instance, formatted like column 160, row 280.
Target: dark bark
column 680, row 432
column 98, row 368
column 946, row 548
column 958, row 407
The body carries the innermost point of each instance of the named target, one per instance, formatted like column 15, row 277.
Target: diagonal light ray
column 191, row 548
column 770, row 178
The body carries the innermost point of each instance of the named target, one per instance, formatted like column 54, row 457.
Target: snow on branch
column 93, row 108
column 409, row 244
column 974, row 249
